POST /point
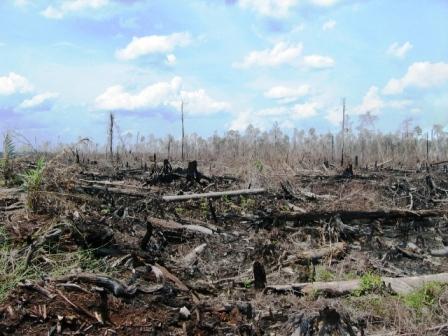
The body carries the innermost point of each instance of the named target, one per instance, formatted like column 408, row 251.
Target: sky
column 65, row 64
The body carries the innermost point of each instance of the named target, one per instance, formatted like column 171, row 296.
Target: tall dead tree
column 183, row 129
column 343, row 132
column 110, row 133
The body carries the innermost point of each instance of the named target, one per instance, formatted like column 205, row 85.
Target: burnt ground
column 78, row 264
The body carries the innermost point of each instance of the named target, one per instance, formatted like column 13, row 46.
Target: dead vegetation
column 132, row 246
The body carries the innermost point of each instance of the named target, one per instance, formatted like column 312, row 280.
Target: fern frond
column 9, row 150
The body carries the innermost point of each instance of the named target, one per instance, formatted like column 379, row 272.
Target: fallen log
column 116, row 287
column 401, row 286
column 172, row 225
column 350, row 215
column 443, row 252
column 191, row 257
column 334, row 250
column 213, row 194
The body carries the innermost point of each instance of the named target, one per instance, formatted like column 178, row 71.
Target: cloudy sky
column 66, row 63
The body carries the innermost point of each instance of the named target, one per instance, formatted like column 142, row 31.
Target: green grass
column 424, row 298
column 13, row 268
column 369, row 283
column 32, row 181
column 324, row 274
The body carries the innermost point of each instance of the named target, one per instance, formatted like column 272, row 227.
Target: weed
column 204, row 206
column 6, row 160
column 14, row 268
column 247, row 203
column 323, row 274
column 247, row 283
column 259, row 165
column 427, row 296
column 369, row 283
column 32, row 181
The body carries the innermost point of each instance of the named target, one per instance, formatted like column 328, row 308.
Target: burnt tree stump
column 259, row 275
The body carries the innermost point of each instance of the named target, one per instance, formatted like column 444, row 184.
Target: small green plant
column 14, row 268
column 226, row 199
column 7, row 157
column 259, row 165
column 426, row 296
column 247, row 203
column 324, row 274
column 247, row 283
column 369, row 283
column 204, row 206
column 32, row 182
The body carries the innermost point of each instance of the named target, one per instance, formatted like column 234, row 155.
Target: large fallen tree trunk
column 334, row 250
column 402, row 285
column 172, row 225
column 350, row 215
column 213, row 194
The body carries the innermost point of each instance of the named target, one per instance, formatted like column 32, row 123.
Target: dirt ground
column 99, row 251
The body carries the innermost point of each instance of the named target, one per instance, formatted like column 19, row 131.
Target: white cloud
column 116, row 98
column 272, row 112
column 334, row 116
column 14, row 83
column 374, row 103
column 306, row 110
column 38, row 100
column 281, row 8
column 242, row 120
column 265, row 118
column 281, row 53
column 287, row 94
column 21, row 3
column 324, row 3
column 158, row 95
column 274, row 8
column 199, row 103
column 170, row 59
column 70, row 6
column 419, row 75
column 140, row 46
column 318, row 61
column 398, row 51
column 329, row 25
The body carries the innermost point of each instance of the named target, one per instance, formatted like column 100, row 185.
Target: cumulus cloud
column 14, row 83
column 286, row 115
column 399, row 51
column 374, row 103
column 421, row 75
column 162, row 94
column 281, row 8
column 281, row 53
column 284, row 53
column 40, row 101
column 329, row 25
column 287, row 94
column 170, row 59
column 324, row 3
column 306, row 110
column 274, row 8
column 70, row 6
column 153, row 44
column 318, row 61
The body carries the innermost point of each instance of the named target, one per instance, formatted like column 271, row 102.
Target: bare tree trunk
column 183, row 129
column 111, row 135
column 343, row 132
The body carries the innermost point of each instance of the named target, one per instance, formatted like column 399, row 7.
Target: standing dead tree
column 110, row 136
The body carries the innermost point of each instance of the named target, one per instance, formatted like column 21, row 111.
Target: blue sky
column 66, row 63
